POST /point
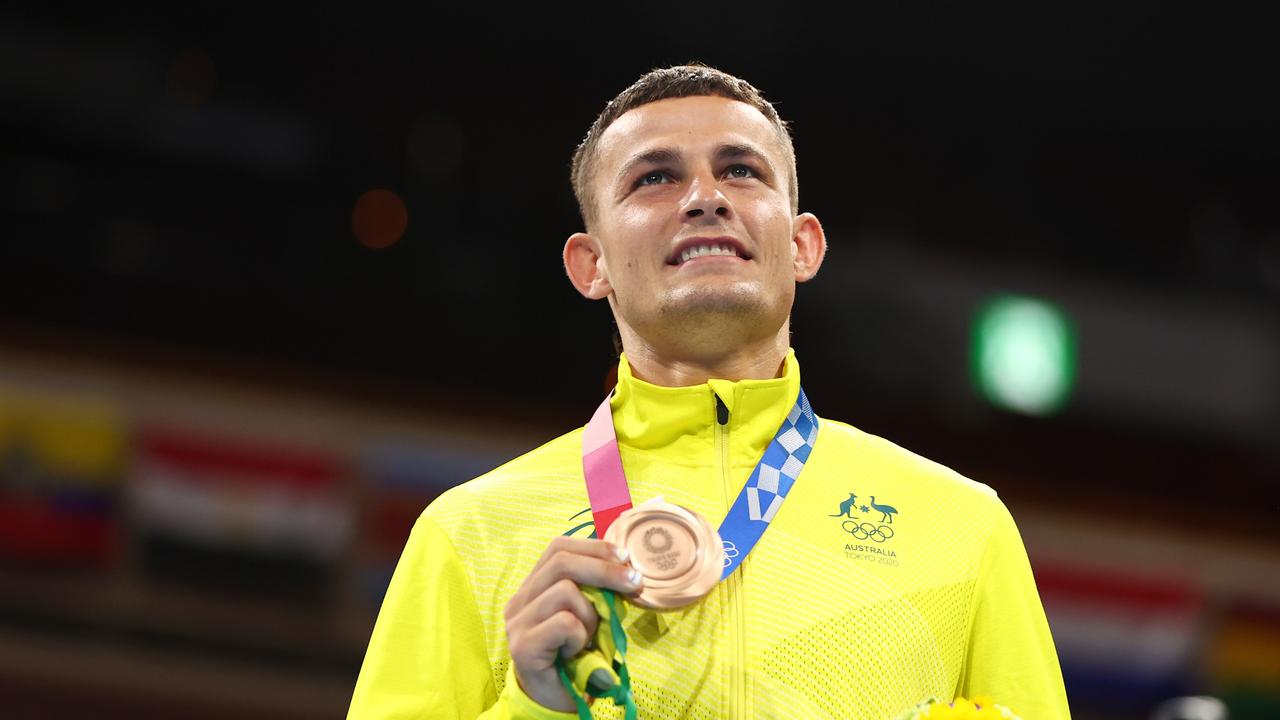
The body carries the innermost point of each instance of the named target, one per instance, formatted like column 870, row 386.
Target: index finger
column 590, row 547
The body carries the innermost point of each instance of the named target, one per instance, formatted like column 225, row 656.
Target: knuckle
column 555, row 563
column 516, row 606
column 563, row 564
column 566, row 587
column 567, row 622
column 576, row 642
column 517, row 647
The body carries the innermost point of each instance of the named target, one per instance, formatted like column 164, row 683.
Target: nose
column 705, row 200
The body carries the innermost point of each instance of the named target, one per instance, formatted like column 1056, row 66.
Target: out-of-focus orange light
column 379, row 218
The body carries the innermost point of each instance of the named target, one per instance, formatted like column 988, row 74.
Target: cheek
column 637, row 233
column 770, row 223
column 634, row 223
column 766, row 208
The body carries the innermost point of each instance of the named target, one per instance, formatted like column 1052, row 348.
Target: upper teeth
column 701, row 250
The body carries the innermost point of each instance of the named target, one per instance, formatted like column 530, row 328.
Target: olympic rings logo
column 730, row 551
column 867, row 531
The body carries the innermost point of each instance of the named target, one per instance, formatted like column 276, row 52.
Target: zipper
column 737, row 672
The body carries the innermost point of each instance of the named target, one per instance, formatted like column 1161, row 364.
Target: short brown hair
column 663, row 84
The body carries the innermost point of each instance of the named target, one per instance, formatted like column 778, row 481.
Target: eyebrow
column 659, row 156
column 656, row 156
column 730, row 151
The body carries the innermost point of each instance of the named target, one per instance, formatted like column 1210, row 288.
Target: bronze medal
column 677, row 551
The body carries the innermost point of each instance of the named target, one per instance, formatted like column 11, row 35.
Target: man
column 881, row 581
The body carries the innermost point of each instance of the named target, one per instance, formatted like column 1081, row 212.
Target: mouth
column 707, row 247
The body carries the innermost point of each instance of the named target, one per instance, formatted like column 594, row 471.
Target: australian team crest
column 870, row 522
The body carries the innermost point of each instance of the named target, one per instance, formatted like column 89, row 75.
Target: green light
column 1024, row 355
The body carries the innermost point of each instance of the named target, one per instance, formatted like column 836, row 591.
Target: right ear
column 584, row 262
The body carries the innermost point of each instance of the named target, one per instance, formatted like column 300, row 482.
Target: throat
column 681, row 362
column 680, row 373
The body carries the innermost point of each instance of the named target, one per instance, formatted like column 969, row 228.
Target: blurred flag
column 61, row 464
column 260, row 511
column 1244, row 661
column 1126, row 642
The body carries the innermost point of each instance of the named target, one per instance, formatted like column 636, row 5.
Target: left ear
column 808, row 246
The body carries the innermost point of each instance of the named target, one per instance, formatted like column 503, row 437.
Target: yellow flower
column 980, row 708
column 987, row 708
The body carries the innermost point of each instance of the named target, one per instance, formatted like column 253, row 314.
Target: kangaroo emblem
column 846, row 507
column 888, row 510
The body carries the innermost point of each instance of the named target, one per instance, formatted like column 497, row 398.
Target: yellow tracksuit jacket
column 885, row 579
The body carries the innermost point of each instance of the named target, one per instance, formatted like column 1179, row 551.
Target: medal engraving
column 678, row 552
column 661, row 544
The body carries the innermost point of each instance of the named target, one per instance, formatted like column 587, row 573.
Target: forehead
column 689, row 125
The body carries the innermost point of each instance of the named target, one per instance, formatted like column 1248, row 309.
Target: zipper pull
column 722, row 411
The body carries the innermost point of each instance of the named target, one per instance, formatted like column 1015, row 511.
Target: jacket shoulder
column 850, row 444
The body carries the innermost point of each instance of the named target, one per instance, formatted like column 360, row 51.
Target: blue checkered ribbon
column 772, row 479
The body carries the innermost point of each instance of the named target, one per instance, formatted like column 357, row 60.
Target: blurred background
column 272, row 278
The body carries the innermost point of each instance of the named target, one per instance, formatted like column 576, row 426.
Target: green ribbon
column 600, row 670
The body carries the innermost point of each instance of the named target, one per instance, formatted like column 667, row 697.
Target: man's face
column 693, row 216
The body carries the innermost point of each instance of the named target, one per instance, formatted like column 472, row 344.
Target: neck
column 681, row 366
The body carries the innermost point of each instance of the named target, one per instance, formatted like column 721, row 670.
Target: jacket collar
column 650, row 417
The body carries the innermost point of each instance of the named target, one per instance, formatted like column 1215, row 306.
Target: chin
column 705, row 303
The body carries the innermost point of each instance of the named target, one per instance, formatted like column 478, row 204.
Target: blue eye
column 740, row 171
column 653, row 178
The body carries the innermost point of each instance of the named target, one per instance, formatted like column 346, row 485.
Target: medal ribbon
column 601, row 672
column 751, row 512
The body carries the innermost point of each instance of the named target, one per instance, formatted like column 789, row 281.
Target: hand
column 548, row 615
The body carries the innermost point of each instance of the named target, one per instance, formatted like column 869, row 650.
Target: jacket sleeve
column 427, row 657
column 1011, row 657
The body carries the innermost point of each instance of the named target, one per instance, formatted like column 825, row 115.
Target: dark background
column 177, row 189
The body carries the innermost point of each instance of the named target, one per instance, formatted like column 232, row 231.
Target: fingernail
column 621, row 552
column 634, row 576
